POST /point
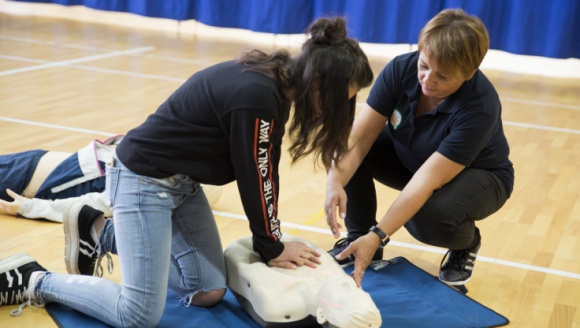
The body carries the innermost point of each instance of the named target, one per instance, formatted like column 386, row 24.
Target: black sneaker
column 459, row 266
column 15, row 273
column 342, row 244
column 80, row 252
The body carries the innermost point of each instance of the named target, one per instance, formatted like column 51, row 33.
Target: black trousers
column 448, row 217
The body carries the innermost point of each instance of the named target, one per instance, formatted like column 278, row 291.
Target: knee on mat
column 141, row 318
column 208, row 298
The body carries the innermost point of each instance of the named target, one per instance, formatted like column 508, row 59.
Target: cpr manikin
column 277, row 297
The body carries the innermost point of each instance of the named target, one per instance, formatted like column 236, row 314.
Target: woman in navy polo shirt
column 432, row 129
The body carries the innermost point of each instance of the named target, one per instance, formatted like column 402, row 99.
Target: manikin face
column 434, row 83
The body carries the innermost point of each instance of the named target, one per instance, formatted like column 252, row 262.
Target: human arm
column 366, row 128
column 432, row 175
column 255, row 145
column 295, row 254
column 53, row 210
column 11, row 208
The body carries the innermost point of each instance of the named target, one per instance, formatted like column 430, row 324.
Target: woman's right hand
column 296, row 254
column 335, row 197
column 11, row 208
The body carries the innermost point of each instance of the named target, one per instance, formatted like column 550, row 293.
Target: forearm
column 405, row 206
column 54, row 210
column 343, row 171
column 433, row 174
column 366, row 129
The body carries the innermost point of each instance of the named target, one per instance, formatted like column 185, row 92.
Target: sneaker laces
column 455, row 259
column 341, row 244
column 37, row 303
column 100, row 254
column 99, row 268
column 18, row 312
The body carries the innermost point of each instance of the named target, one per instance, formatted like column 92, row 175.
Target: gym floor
column 66, row 82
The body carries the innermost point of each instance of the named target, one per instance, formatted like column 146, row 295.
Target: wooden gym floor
column 64, row 83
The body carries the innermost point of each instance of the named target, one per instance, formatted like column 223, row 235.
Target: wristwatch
column 384, row 237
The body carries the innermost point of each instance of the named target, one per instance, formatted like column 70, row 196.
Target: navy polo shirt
column 466, row 127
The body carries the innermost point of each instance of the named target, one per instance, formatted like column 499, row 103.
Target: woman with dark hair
column 432, row 129
column 225, row 123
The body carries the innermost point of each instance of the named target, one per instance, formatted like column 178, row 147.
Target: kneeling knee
column 209, row 298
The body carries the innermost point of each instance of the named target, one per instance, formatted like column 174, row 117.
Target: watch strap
column 382, row 235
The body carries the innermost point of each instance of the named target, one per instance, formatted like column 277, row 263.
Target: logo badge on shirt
column 395, row 119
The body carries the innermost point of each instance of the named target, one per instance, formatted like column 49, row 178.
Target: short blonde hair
column 456, row 41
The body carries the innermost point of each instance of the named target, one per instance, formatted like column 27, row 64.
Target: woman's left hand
column 363, row 249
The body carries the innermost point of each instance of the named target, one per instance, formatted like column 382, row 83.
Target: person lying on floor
column 40, row 183
column 47, row 174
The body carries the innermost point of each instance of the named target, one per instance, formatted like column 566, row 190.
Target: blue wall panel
column 529, row 27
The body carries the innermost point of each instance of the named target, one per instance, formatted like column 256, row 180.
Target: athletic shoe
column 459, row 266
column 81, row 251
column 16, row 286
column 342, row 244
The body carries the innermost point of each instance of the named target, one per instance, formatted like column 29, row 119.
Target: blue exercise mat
column 406, row 295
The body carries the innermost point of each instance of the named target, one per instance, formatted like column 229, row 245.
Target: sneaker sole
column 71, row 238
column 352, row 263
column 15, row 261
column 344, row 265
column 456, row 283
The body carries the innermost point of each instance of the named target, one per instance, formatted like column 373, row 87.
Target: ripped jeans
column 165, row 235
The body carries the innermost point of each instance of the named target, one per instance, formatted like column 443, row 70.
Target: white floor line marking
column 62, row 127
column 539, row 103
column 176, row 59
column 55, row 126
column 99, row 69
column 74, row 61
column 522, row 101
column 91, row 48
column 422, row 248
column 53, row 43
column 127, row 73
column 24, row 59
column 541, row 127
column 194, row 61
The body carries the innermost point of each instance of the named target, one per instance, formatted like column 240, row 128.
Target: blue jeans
column 164, row 234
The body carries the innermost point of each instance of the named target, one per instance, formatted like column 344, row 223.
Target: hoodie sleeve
column 255, row 144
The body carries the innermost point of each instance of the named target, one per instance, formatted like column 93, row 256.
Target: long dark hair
column 328, row 64
column 275, row 66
